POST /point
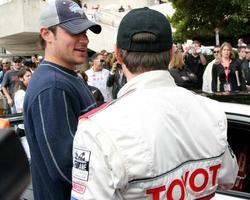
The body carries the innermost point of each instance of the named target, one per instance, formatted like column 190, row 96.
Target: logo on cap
column 73, row 7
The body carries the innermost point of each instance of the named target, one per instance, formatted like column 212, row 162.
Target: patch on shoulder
column 93, row 111
column 81, row 161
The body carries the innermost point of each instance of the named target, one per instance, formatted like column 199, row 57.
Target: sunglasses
column 216, row 51
column 102, row 61
column 17, row 61
column 5, row 63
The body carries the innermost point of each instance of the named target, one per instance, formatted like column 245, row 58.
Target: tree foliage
column 194, row 18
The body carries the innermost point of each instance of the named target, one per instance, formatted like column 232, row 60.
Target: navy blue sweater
column 54, row 100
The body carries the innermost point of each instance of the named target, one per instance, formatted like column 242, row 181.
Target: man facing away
column 157, row 140
column 56, row 97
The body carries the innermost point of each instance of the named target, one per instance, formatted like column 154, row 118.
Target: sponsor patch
column 81, row 164
column 78, row 187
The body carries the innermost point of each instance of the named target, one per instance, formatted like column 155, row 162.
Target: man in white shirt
column 98, row 76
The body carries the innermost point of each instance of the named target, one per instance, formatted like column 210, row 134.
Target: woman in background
column 183, row 76
column 225, row 76
column 24, row 76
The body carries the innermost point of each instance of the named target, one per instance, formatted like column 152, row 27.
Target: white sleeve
column 97, row 168
column 229, row 170
column 18, row 100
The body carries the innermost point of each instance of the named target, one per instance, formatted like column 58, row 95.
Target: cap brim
column 80, row 25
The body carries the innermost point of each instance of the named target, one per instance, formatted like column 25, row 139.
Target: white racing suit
column 157, row 141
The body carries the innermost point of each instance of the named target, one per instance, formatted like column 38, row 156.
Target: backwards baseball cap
column 68, row 15
column 144, row 20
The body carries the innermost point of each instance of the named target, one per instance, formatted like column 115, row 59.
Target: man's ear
column 46, row 34
column 118, row 55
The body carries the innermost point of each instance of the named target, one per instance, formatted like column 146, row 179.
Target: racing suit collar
column 151, row 79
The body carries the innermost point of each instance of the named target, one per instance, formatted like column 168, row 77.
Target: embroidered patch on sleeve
column 81, row 164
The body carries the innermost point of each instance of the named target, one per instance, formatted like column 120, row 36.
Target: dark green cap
column 144, row 20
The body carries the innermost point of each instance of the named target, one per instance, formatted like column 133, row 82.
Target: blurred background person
column 246, row 68
column 95, row 91
column 182, row 75
column 224, row 72
column 5, row 67
column 207, row 75
column 116, row 79
column 24, row 76
column 239, row 61
column 107, row 58
column 10, row 80
column 98, row 76
column 196, row 61
column 31, row 65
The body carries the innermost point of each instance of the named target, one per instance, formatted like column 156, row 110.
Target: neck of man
column 57, row 61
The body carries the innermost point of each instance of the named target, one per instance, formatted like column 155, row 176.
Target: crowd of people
column 146, row 143
column 15, row 74
column 228, row 72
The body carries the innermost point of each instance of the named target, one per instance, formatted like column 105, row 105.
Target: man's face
column 242, row 53
column 67, row 49
column 18, row 64
column 196, row 49
column 6, row 65
column 98, row 63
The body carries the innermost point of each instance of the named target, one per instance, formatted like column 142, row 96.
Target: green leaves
column 200, row 18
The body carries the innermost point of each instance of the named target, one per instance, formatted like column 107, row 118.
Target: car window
column 238, row 138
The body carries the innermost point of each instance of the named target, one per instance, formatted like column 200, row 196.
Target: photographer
column 116, row 79
column 196, row 62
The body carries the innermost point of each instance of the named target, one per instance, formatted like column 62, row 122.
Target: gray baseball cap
column 68, row 15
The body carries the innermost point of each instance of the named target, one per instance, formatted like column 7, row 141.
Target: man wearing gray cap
column 56, row 97
column 157, row 140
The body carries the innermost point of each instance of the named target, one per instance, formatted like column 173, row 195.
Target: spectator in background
column 241, row 55
column 98, row 76
column 34, row 59
column 246, row 68
column 207, row 76
column 116, row 79
column 31, row 65
column 56, row 97
column 24, row 76
column 179, row 47
column 238, row 63
column 158, row 141
column 9, row 82
column 225, row 72
column 196, row 62
column 106, row 57
column 6, row 67
column 95, row 91
column 182, row 75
